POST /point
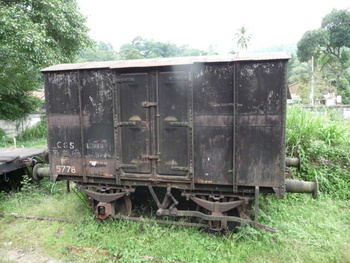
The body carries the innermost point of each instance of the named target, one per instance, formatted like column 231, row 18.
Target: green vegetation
column 101, row 51
column 322, row 141
column 330, row 47
column 33, row 137
column 140, row 48
column 309, row 231
column 33, row 35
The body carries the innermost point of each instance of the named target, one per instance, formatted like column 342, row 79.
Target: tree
column 329, row 45
column 301, row 72
column 143, row 48
column 33, row 35
column 242, row 37
column 101, row 51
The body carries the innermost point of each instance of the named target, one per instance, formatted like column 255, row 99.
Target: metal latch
column 178, row 78
column 147, row 104
column 124, row 80
column 151, row 157
column 179, row 124
column 126, row 166
column 179, row 168
column 126, row 123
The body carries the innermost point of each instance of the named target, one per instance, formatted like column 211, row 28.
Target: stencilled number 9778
column 65, row 169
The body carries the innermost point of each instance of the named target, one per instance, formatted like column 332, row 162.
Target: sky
column 202, row 23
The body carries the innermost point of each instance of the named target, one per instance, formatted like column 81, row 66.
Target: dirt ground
column 18, row 256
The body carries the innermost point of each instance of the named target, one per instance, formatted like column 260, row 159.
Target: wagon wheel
column 214, row 225
column 231, row 225
column 123, row 206
column 242, row 211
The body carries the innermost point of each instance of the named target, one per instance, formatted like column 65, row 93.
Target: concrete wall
column 15, row 128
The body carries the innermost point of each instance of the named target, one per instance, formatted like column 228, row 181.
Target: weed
column 37, row 131
column 27, row 184
column 322, row 141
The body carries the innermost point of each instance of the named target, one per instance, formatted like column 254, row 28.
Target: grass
column 322, row 141
column 309, row 231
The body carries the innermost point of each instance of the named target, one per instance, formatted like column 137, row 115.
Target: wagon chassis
column 212, row 208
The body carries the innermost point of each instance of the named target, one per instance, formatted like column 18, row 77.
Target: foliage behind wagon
column 322, row 140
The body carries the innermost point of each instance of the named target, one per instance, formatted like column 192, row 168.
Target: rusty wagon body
column 211, row 128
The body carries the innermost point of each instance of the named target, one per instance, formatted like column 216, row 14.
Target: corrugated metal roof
column 158, row 62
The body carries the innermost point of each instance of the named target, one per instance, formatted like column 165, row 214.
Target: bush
column 322, row 141
column 38, row 131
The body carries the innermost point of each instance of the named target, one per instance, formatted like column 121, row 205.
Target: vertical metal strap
column 234, row 100
column 116, row 130
column 190, row 128
column 81, row 128
column 153, row 120
column 158, row 114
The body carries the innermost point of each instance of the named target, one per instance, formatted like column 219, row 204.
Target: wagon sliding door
column 132, row 123
column 174, row 123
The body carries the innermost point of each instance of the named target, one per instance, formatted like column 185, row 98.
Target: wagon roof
column 158, row 62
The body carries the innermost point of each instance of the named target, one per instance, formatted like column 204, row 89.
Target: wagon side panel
column 63, row 117
column 97, row 122
column 260, row 123
column 213, row 122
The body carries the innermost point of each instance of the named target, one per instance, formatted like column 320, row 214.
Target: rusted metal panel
column 133, row 124
column 100, row 167
column 97, row 114
column 12, row 159
column 174, row 123
column 66, row 165
column 63, row 117
column 259, row 136
column 218, row 120
column 213, row 123
column 80, row 119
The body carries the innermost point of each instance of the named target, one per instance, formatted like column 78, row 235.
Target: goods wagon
column 203, row 135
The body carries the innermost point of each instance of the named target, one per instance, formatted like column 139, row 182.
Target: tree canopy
column 35, row 34
column 140, row 48
column 330, row 46
column 242, row 37
column 101, row 51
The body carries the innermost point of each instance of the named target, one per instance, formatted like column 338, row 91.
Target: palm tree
column 242, row 38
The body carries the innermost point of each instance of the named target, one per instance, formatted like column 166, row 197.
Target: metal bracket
column 216, row 206
column 166, row 200
column 106, row 198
